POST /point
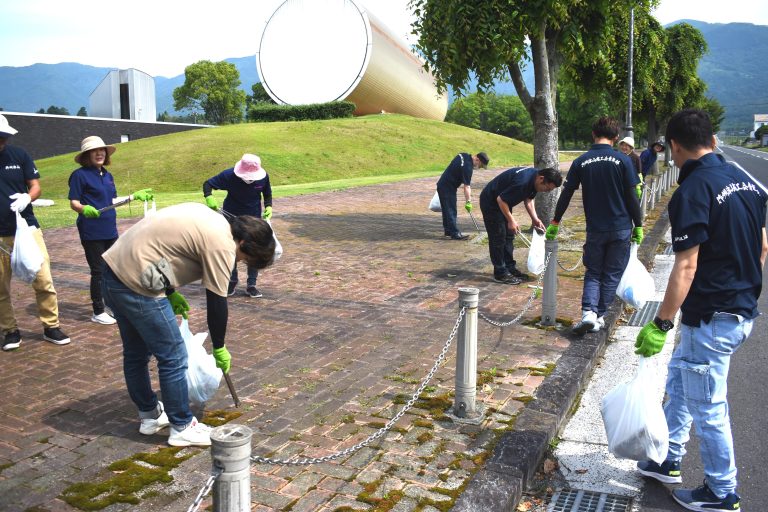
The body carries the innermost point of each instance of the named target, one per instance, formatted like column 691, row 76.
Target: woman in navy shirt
column 92, row 187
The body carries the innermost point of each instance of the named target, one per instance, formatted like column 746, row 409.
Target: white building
column 124, row 94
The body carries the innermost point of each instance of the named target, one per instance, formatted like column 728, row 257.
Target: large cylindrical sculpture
column 315, row 51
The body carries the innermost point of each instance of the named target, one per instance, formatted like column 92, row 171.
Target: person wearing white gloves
column 19, row 186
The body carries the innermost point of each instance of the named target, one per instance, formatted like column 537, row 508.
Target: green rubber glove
column 223, row 359
column 90, row 212
column 637, row 235
column 211, row 202
column 468, row 206
column 144, row 194
column 650, row 340
column 552, row 231
column 639, row 191
column 267, row 213
column 179, row 304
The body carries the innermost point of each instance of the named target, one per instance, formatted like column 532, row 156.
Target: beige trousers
column 45, row 294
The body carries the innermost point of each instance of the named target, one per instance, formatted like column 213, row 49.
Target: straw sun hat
column 90, row 143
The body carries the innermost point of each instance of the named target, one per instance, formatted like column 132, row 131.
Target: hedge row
column 332, row 110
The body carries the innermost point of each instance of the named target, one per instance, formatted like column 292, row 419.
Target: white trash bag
column 203, row 376
column 636, row 286
column 537, row 253
column 634, row 418
column 278, row 245
column 434, row 204
column 26, row 258
column 149, row 211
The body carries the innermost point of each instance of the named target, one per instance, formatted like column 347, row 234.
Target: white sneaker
column 103, row 319
column 151, row 426
column 195, row 434
column 588, row 322
column 599, row 324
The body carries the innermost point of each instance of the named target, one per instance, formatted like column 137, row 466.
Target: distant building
column 124, row 94
column 760, row 120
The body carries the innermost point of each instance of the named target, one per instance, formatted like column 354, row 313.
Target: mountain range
column 733, row 69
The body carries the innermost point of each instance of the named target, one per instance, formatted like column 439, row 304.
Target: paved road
column 747, row 383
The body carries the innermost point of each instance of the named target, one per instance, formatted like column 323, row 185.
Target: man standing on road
column 458, row 173
column 19, row 186
column 611, row 208
column 718, row 235
column 500, row 195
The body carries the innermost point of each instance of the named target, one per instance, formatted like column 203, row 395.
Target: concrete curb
column 499, row 484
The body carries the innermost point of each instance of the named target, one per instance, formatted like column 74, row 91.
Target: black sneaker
column 507, row 279
column 12, row 340
column 231, row 288
column 252, row 291
column 703, row 499
column 668, row 472
column 459, row 236
column 520, row 275
column 55, row 336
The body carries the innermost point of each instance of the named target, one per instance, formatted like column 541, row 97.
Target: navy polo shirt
column 647, row 158
column 604, row 175
column 242, row 198
column 513, row 186
column 95, row 187
column 721, row 209
column 458, row 172
column 16, row 168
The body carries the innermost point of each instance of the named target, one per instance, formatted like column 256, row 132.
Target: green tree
column 82, row 112
column 715, row 110
column 213, row 88
column 494, row 39
column 576, row 113
column 41, row 111
column 60, row 111
column 501, row 114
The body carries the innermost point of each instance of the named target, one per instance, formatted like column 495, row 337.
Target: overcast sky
column 109, row 33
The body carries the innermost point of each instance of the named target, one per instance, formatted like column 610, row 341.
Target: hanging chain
column 527, row 305
column 383, row 430
column 574, row 267
column 205, row 490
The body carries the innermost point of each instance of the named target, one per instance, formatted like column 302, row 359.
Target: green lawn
column 301, row 157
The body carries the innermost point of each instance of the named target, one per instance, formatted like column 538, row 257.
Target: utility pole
column 628, row 128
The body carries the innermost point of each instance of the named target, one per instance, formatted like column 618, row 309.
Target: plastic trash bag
column 434, row 204
column 203, row 376
column 149, row 211
column 636, row 286
column 536, row 253
column 278, row 245
column 634, row 418
column 26, row 257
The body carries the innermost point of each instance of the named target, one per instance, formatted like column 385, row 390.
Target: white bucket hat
column 249, row 168
column 92, row 142
column 628, row 140
column 5, row 129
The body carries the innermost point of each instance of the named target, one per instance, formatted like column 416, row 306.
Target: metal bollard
column 549, row 294
column 231, row 452
column 466, row 356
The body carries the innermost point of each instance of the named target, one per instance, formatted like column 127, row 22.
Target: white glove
column 21, row 202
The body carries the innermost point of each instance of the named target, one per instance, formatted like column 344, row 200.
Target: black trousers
column 93, row 251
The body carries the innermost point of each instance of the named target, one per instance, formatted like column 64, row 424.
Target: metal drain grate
column 576, row 500
column 644, row 315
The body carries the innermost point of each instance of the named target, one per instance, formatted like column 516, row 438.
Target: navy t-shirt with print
column 242, row 198
column 94, row 187
column 721, row 209
column 513, row 186
column 458, row 172
column 16, row 168
column 604, row 175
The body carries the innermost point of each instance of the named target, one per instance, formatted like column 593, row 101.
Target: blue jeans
column 606, row 255
column 448, row 207
column 501, row 241
column 148, row 328
column 697, row 388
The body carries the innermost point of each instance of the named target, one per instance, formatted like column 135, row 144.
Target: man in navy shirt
column 19, row 186
column 611, row 209
column 511, row 187
column 718, row 235
column 457, row 174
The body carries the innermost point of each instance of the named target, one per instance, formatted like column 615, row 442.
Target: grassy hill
column 301, row 157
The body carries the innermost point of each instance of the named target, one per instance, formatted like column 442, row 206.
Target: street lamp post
column 628, row 129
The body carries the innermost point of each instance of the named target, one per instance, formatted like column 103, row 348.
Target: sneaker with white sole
column 151, row 426
column 12, row 340
column 103, row 319
column 55, row 336
column 703, row 499
column 195, row 434
column 588, row 321
column 599, row 324
column 667, row 472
